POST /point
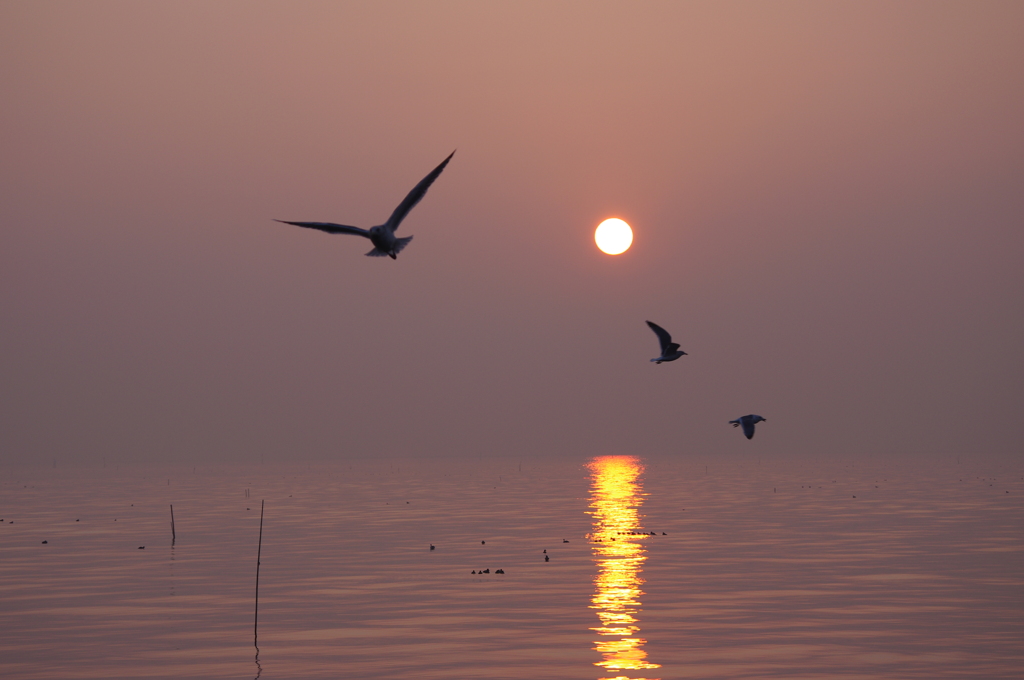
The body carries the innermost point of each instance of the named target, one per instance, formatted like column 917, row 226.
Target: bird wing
column 330, row 227
column 414, row 197
column 748, row 427
column 663, row 337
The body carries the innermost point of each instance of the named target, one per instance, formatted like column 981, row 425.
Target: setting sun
column 613, row 236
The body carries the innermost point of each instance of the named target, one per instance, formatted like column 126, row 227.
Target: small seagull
column 383, row 236
column 748, row 423
column 669, row 350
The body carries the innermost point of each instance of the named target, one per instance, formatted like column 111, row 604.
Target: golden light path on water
column 616, row 495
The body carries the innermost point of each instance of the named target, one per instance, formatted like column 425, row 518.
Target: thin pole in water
column 173, row 536
column 259, row 550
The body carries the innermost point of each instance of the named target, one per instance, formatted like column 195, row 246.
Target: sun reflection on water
column 615, row 498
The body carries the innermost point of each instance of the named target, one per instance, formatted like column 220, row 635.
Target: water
column 767, row 570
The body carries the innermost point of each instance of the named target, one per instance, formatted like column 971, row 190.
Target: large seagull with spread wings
column 383, row 236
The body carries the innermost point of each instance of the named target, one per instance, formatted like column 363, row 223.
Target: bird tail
column 401, row 243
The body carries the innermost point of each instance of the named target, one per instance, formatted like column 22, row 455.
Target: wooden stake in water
column 256, row 615
column 173, row 536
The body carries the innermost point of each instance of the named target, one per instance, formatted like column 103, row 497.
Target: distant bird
column 431, row 546
column 669, row 350
column 748, row 423
column 383, row 236
column 546, row 558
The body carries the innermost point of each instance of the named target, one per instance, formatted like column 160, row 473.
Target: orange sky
column 826, row 198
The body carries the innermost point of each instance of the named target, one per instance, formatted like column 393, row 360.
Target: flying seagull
column 748, row 423
column 383, row 236
column 669, row 350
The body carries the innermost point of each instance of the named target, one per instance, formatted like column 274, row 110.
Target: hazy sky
column 827, row 199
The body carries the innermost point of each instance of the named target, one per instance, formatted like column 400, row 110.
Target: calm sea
column 654, row 570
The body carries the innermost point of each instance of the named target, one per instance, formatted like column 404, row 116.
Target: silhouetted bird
column 383, row 236
column 669, row 350
column 546, row 558
column 45, row 542
column 748, row 422
column 564, row 541
column 431, row 546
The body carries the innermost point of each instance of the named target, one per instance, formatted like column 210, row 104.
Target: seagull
column 383, row 236
column 669, row 350
column 748, row 423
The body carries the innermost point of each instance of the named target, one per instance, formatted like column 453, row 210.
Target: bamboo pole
column 256, row 615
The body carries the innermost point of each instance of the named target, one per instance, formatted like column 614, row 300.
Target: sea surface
column 655, row 569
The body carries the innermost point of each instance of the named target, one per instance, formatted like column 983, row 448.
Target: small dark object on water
column 2, row 520
column 142, row 547
column 564, row 541
column 547, row 559
column 486, row 571
column 431, row 546
column 663, row 533
column 247, row 508
column 45, row 542
column 473, row 572
column 483, row 542
column 854, row 496
column 545, row 549
column 499, row 571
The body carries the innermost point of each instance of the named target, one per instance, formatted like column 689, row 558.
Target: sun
column 613, row 236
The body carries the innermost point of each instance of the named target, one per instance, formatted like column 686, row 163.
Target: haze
column 826, row 199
